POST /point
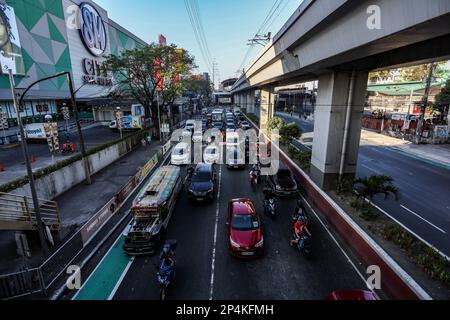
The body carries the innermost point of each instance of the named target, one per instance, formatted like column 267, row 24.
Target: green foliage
column 443, row 98
column 368, row 187
column 303, row 158
column 290, row 132
column 344, row 186
column 436, row 266
column 276, row 123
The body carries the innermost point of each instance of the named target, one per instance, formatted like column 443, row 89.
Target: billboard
column 132, row 123
column 10, row 47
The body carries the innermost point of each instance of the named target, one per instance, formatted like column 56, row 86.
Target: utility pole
column 423, row 107
column 37, row 209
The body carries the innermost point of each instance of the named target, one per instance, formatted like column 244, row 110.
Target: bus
column 152, row 210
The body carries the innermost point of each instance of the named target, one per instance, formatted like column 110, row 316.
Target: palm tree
column 369, row 187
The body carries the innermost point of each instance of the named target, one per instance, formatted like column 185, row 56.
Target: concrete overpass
column 338, row 42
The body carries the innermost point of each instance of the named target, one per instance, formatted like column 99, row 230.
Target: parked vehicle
column 181, row 154
column 203, row 183
column 190, row 125
column 245, row 237
column 152, row 210
column 283, row 183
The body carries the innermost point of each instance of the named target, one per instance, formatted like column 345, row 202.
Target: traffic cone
column 2, row 168
column 33, row 158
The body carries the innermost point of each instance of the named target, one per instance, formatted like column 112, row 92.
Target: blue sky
column 228, row 24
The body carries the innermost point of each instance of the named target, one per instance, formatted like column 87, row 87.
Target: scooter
column 165, row 274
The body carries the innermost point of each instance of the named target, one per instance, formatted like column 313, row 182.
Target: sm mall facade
column 39, row 38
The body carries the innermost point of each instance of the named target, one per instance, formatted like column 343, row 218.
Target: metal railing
column 18, row 213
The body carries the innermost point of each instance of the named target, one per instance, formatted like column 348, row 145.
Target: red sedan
column 245, row 238
column 352, row 295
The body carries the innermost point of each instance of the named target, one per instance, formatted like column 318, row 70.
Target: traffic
column 245, row 213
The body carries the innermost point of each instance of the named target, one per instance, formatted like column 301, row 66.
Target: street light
column 119, row 121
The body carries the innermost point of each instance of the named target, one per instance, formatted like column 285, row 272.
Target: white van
column 181, row 154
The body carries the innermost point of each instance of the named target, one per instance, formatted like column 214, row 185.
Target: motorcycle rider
column 300, row 230
column 268, row 195
column 167, row 261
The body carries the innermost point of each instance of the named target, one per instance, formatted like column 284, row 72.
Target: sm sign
column 92, row 30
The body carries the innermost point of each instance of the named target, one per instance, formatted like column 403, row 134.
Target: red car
column 245, row 238
column 352, row 295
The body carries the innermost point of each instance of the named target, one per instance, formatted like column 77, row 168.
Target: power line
column 197, row 36
column 200, row 27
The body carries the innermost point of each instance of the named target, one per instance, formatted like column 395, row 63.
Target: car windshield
column 211, row 151
column 178, row 151
column 244, row 222
column 202, row 176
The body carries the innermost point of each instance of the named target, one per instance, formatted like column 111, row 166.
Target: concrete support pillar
column 251, row 102
column 244, row 101
column 337, row 127
column 267, row 106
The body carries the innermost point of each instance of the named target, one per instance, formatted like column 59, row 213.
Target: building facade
column 45, row 37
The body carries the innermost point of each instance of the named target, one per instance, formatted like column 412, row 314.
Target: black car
column 283, row 184
column 203, row 183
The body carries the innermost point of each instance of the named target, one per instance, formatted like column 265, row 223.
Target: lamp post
column 119, row 121
column 37, row 210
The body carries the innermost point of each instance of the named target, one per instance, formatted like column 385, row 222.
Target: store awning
column 402, row 89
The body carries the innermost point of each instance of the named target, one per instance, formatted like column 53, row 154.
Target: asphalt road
column 424, row 204
column 92, row 137
column 206, row 270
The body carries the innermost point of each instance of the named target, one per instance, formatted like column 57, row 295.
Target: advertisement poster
column 10, row 48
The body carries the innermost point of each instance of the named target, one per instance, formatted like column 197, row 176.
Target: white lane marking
column 96, row 267
column 410, row 231
column 418, row 216
column 122, row 276
column 213, row 260
column 338, row 245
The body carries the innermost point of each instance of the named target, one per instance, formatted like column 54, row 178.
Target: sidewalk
column 438, row 154
column 81, row 203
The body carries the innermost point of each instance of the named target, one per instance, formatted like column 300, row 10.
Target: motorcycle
column 304, row 245
column 270, row 208
column 166, row 273
column 253, row 179
column 301, row 213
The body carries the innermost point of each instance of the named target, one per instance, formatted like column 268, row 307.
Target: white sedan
column 181, row 154
column 211, row 154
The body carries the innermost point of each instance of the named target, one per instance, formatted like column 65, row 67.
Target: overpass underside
column 339, row 55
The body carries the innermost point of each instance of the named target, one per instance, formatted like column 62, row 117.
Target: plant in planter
column 369, row 187
column 290, row 132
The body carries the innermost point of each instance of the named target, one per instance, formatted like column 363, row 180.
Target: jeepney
column 152, row 210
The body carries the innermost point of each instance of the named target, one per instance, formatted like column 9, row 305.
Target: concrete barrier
column 62, row 180
column 395, row 281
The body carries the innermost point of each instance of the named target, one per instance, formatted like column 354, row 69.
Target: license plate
column 200, row 199
column 248, row 253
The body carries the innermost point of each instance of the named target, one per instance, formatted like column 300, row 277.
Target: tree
column 443, row 98
column 369, row 187
column 276, row 123
column 412, row 74
column 290, row 132
column 140, row 72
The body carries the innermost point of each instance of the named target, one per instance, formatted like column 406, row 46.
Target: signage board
column 92, row 30
column 10, row 47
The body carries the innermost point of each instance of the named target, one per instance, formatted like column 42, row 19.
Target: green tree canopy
column 140, row 72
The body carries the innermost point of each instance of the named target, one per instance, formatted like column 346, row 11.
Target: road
column 424, row 204
column 206, row 270
column 14, row 164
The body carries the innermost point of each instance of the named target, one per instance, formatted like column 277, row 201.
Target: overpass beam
column 267, row 106
column 337, row 131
